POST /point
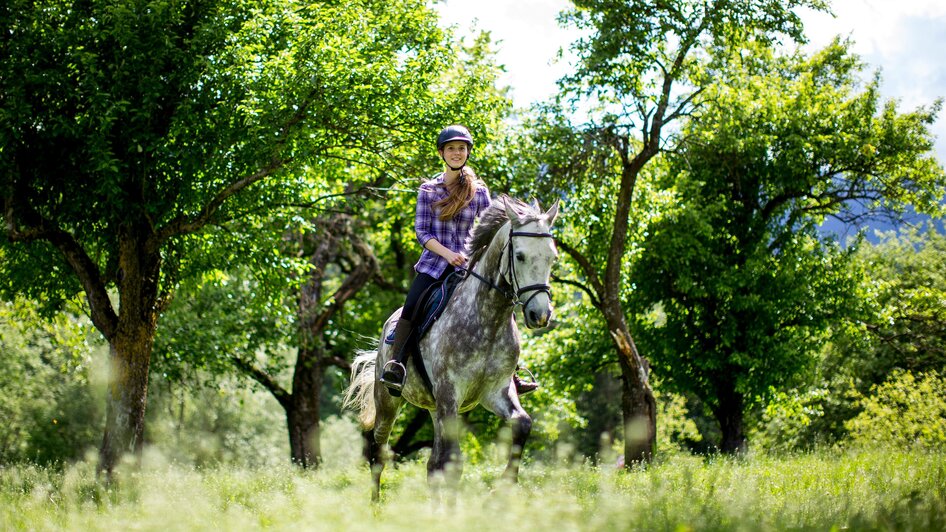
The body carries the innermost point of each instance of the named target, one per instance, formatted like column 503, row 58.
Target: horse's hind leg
column 376, row 450
column 505, row 404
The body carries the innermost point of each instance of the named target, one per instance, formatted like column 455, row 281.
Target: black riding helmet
column 455, row 132
column 452, row 133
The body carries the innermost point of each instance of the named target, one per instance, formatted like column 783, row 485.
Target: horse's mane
column 491, row 220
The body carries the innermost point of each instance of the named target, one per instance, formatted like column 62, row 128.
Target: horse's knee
column 521, row 424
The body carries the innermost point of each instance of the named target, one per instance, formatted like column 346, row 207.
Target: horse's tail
column 360, row 393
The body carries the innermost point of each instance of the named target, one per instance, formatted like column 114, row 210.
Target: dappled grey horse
column 471, row 352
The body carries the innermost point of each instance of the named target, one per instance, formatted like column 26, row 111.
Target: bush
column 903, row 411
column 49, row 404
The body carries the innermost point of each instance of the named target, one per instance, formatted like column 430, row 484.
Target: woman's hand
column 453, row 258
column 456, row 259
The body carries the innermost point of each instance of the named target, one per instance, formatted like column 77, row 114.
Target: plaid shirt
column 452, row 233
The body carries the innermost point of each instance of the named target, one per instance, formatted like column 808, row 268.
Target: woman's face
column 455, row 153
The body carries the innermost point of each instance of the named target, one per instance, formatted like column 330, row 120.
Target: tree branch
column 263, row 378
column 586, row 267
column 102, row 312
column 591, row 295
column 182, row 224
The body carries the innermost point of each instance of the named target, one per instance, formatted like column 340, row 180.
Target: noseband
column 516, row 294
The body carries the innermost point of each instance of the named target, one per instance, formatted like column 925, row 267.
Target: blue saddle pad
column 433, row 302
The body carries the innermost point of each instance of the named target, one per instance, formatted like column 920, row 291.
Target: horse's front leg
column 445, row 463
column 505, row 404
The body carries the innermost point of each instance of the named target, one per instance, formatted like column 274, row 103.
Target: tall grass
column 857, row 490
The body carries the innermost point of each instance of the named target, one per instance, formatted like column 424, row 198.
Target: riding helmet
column 455, row 132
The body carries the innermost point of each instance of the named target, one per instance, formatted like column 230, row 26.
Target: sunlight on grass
column 821, row 491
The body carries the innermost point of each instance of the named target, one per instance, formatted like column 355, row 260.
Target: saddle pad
column 433, row 302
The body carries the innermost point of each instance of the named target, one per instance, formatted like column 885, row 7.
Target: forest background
column 208, row 211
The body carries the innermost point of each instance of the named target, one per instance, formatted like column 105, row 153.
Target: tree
column 640, row 71
column 233, row 324
column 905, row 285
column 357, row 233
column 130, row 129
column 744, row 290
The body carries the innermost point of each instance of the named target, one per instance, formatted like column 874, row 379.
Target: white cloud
column 904, row 38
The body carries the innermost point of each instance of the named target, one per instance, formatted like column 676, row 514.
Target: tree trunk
column 637, row 400
column 729, row 416
column 130, row 346
column 302, row 416
column 126, row 399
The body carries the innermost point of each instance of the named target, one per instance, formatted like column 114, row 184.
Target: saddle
column 429, row 308
column 432, row 303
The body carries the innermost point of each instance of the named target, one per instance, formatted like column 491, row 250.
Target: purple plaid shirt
column 451, row 233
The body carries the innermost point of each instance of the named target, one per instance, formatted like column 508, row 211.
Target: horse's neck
column 489, row 301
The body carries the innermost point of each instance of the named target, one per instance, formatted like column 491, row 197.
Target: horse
column 471, row 352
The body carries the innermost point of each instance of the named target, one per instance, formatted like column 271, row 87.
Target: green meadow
column 823, row 490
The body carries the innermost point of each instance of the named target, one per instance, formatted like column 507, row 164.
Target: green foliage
column 898, row 329
column 904, row 411
column 225, row 423
column 229, row 315
column 820, row 491
column 741, row 289
column 633, row 47
column 48, row 397
column 906, row 288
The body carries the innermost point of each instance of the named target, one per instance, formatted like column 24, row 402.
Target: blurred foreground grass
column 826, row 490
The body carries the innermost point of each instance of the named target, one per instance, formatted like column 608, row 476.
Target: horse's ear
column 552, row 213
column 511, row 213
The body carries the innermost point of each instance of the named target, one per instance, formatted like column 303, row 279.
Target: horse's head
column 527, row 261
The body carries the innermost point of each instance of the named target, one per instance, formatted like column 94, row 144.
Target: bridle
column 515, row 295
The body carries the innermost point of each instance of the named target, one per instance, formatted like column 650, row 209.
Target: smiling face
column 455, row 153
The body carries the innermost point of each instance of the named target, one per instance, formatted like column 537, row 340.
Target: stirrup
column 393, row 385
column 524, row 387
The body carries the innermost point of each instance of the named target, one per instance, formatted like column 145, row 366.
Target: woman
column 447, row 206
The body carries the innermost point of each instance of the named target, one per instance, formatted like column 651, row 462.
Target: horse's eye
column 520, row 257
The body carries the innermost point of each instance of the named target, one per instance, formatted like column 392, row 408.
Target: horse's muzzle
column 537, row 316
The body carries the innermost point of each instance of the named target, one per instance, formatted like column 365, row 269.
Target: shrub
column 906, row 410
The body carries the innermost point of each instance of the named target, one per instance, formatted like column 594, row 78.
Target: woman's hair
column 459, row 194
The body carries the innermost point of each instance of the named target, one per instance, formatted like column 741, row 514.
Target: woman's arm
column 452, row 257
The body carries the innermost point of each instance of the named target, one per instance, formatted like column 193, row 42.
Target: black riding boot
column 395, row 372
column 524, row 387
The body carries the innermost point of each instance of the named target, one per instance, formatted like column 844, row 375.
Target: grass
column 826, row 490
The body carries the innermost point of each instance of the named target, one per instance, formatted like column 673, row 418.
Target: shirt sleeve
column 424, row 218
column 482, row 199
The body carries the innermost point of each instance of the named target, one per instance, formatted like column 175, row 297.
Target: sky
column 905, row 39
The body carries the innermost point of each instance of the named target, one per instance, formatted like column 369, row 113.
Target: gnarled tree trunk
column 729, row 415
column 637, row 399
column 302, row 410
column 130, row 345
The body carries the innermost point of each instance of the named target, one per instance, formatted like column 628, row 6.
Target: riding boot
column 523, row 387
column 395, row 372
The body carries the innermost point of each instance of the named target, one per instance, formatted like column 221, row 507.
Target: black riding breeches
column 421, row 283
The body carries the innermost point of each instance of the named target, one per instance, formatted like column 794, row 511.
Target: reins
column 515, row 295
